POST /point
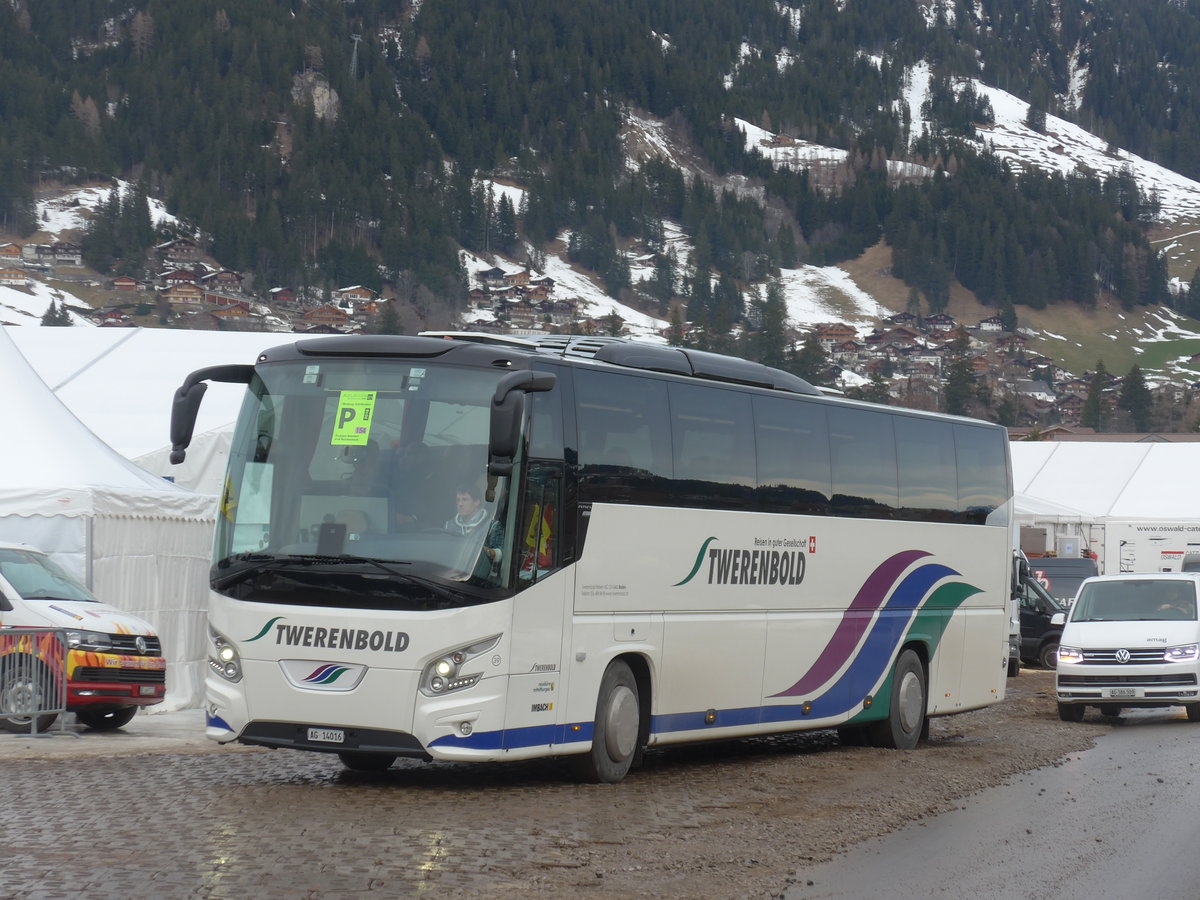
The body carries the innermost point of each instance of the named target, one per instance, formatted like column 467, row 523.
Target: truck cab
column 1042, row 620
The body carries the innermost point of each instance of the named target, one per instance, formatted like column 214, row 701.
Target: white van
column 114, row 660
column 1131, row 641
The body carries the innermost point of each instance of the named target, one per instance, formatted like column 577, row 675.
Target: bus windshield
column 363, row 482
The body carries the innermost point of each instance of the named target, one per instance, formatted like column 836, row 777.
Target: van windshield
column 1138, row 600
column 38, row 577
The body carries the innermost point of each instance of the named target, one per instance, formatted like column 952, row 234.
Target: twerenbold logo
column 326, row 674
column 265, row 629
column 761, row 565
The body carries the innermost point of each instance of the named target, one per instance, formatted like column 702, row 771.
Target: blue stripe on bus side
column 847, row 693
column 513, row 738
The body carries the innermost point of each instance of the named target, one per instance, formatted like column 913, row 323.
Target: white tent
column 1136, row 505
column 1110, row 479
column 120, row 382
column 141, row 544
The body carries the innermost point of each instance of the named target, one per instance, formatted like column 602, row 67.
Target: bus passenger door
column 542, row 605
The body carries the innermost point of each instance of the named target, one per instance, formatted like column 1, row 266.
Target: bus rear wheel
column 905, row 724
column 616, row 730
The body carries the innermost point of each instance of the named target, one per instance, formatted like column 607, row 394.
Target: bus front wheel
column 905, row 724
column 359, row 761
column 616, row 728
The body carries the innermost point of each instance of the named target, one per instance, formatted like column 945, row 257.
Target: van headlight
column 223, row 657
column 89, row 640
column 1069, row 655
column 1184, row 653
column 445, row 674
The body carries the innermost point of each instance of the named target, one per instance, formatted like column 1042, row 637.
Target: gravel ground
column 787, row 801
column 730, row 820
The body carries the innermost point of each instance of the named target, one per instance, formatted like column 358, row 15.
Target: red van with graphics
column 114, row 659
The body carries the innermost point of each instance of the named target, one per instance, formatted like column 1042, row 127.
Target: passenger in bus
column 471, row 515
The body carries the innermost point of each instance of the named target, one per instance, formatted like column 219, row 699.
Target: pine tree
column 389, row 319
column 1135, row 399
column 960, row 378
column 811, row 362
column 1094, row 412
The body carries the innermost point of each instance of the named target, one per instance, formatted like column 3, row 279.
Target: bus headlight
column 223, row 657
column 444, row 675
column 1069, row 655
column 1185, row 653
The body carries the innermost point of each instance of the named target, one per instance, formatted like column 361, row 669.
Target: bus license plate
column 327, row 735
column 1114, row 693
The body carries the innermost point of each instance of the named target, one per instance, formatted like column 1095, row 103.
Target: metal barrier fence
column 33, row 678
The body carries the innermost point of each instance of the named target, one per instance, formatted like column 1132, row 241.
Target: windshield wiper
column 266, row 561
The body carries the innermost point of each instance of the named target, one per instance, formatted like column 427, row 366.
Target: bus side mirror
column 186, row 404
column 508, row 410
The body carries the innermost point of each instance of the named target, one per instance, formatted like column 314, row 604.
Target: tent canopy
column 120, row 381
column 141, row 543
column 1111, row 480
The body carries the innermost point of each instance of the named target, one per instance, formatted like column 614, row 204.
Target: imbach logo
column 761, row 565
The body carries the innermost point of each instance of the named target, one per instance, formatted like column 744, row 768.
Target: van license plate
column 146, row 690
column 1120, row 692
column 327, row 735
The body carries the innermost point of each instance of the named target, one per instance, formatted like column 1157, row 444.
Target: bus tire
column 1014, row 667
column 366, row 762
column 26, row 688
column 905, row 723
column 853, row 736
column 616, row 730
column 106, row 719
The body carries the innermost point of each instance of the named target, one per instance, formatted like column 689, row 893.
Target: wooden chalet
column 183, row 294
column 491, row 278
column 128, row 283
column 993, row 324
column 940, row 322
column 354, row 295
column 326, row 314
column 179, row 250
column 13, row 276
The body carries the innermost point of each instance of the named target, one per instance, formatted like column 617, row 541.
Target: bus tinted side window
column 793, row 456
column 713, row 439
column 862, row 451
column 624, row 438
column 928, row 475
column 983, row 479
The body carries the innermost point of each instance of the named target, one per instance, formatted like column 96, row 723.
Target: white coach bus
column 463, row 547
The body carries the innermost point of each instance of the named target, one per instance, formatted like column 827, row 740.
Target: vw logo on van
column 140, row 643
column 1122, row 655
